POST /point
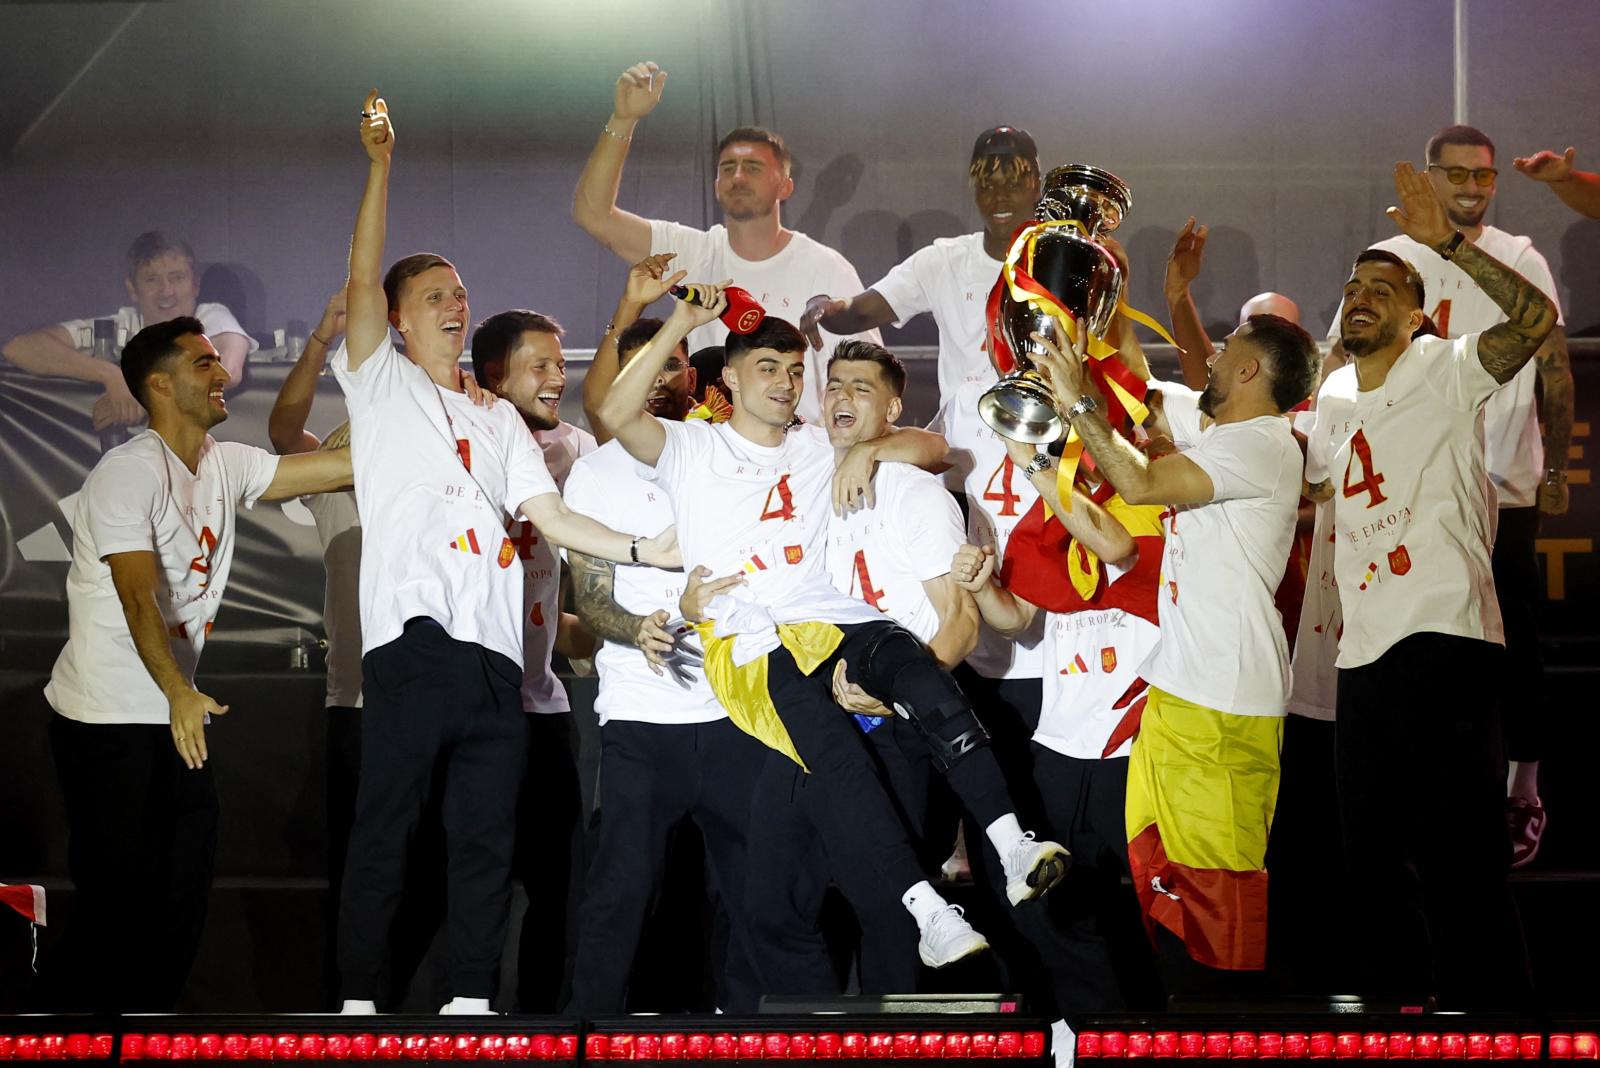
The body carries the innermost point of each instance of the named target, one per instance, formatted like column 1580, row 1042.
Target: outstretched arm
column 1183, row 266
column 1091, row 524
column 286, row 425
column 648, row 282
column 1555, row 419
column 594, row 202
column 1578, row 190
column 1504, row 348
column 860, row 313
column 368, row 310
column 622, row 411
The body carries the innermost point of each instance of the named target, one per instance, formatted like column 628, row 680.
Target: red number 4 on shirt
column 1008, row 500
column 1371, row 481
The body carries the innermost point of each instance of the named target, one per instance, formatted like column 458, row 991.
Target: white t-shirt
column 1222, row 643
column 1413, row 508
column 216, row 318
column 1181, row 405
column 998, row 497
column 950, row 278
column 1514, row 451
column 1094, row 656
column 436, row 479
column 781, row 284
column 1314, row 693
column 760, row 510
column 141, row 498
column 542, row 692
column 883, row 554
column 338, row 523
column 606, row 486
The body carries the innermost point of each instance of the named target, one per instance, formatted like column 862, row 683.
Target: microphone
column 742, row 314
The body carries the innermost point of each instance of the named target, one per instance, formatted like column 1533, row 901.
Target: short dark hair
column 708, row 363
column 151, row 347
column 1457, row 135
column 497, row 335
column 774, row 333
column 1292, row 353
column 407, row 268
column 755, row 135
column 152, row 245
column 1414, row 282
column 857, row 351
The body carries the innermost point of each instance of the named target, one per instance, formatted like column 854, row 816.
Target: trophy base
column 1019, row 407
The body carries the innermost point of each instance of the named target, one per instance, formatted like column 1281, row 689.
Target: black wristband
column 1452, row 246
column 633, row 550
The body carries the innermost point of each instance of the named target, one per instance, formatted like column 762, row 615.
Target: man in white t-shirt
column 781, row 268
column 1199, row 811
column 1418, row 736
column 753, row 501
column 153, row 539
column 517, row 355
column 439, row 481
column 1526, row 443
column 162, row 284
column 950, row 278
column 668, row 749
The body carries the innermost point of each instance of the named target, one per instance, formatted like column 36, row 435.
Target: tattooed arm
column 1555, row 418
column 1530, row 316
column 594, row 598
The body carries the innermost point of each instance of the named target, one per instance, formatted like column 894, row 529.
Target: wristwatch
column 1040, row 462
column 1082, row 406
column 1554, row 476
column 1448, row 252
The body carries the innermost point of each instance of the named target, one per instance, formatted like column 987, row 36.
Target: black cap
column 1006, row 141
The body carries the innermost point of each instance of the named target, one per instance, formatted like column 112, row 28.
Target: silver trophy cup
column 1083, row 276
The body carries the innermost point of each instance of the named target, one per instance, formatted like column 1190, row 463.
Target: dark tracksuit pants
column 433, row 700
column 1516, row 583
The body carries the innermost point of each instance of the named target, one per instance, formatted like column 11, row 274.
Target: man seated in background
column 162, row 284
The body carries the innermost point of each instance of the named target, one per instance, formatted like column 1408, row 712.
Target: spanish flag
column 1202, row 786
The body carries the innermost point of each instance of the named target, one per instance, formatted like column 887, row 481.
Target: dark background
column 232, row 124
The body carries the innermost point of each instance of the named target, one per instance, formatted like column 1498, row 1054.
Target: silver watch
column 1081, row 406
column 1039, row 463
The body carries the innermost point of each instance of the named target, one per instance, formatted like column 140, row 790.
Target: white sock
column 1063, row 1044
column 1004, row 832
column 467, row 1007
column 922, row 901
column 358, row 1008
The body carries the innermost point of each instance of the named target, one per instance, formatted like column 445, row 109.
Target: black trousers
column 421, row 907
column 143, row 842
column 1421, row 777
column 433, row 700
column 1306, row 895
column 1516, row 583
column 652, row 775
column 549, row 863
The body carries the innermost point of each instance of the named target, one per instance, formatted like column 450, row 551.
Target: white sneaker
column 466, row 1007
column 1033, row 867
column 947, row 937
column 358, row 1008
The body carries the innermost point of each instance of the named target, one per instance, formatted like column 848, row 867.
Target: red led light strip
column 73, row 1047
column 850, row 1045
column 1331, row 1045
column 293, row 1047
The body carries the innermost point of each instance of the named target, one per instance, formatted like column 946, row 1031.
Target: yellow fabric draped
column 743, row 690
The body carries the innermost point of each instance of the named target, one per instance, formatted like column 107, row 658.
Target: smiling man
column 162, row 284
column 780, row 267
column 152, row 546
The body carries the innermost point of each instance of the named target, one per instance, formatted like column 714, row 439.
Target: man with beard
column 781, row 268
column 1418, row 737
column 438, row 481
column 1526, row 443
column 163, row 285
column 153, row 539
column 752, row 501
column 668, row 749
column 1203, row 771
column 517, row 355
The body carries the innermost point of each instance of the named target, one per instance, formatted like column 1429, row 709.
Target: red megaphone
column 742, row 314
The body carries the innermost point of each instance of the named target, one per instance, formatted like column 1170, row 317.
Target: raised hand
column 1185, row 259
column 648, row 280
column 377, row 132
column 1420, row 215
column 639, row 91
column 698, row 592
column 187, row 713
column 331, row 325
column 972, row 567
column 818, row 308
column 697, row 315
column 1546, row 166
column 1066, row 373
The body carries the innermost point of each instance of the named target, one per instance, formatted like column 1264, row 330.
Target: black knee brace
column 938, row 709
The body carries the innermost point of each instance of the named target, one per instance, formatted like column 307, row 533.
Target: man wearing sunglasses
column 1525, row 442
